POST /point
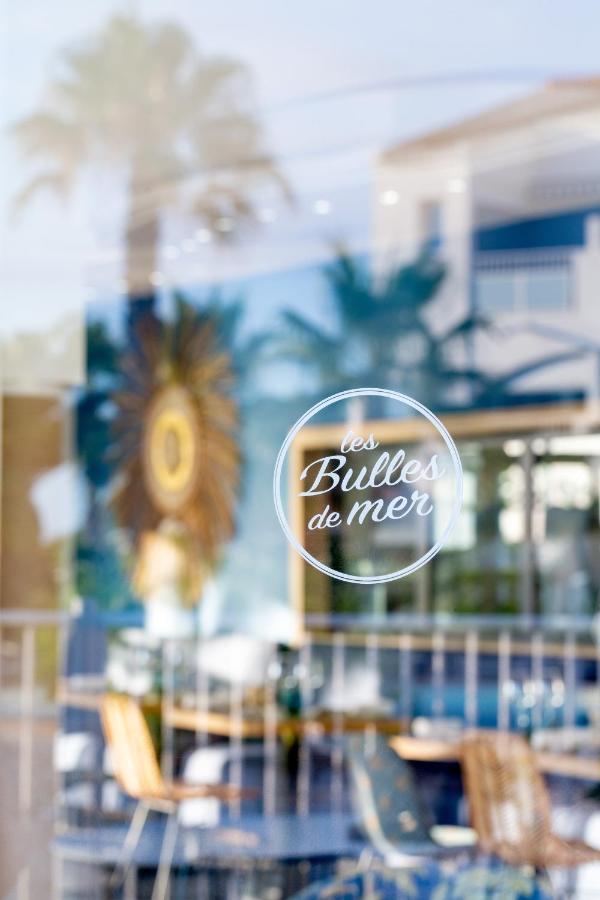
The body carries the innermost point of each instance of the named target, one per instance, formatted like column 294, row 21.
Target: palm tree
column 178, row 126
column 386, row 337
column 383, row 336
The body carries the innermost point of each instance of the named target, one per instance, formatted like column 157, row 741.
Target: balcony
column 523, row 281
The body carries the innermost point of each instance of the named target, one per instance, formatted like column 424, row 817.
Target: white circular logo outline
column 456, row 507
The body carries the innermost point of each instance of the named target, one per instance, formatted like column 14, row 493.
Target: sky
column 336, row 82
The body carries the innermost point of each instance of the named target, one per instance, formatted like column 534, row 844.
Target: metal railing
column 412, row 663
column 474, row 670
column 528, row 280
column 525, row 258
column 499, row 672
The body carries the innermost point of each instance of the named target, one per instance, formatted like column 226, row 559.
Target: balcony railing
column 523, row 674
column 528, row 280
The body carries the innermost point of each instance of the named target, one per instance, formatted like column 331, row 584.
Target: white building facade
column 511, row 199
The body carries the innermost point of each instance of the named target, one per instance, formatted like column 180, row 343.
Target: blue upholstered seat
column 388, row 803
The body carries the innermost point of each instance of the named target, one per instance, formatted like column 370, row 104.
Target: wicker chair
column 138, row 775
column 509, row 804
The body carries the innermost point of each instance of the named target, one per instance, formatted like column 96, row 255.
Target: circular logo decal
column 374, row 486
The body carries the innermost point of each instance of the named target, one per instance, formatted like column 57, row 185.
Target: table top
column 254, row 724
column 438, row 750
column 276, row 837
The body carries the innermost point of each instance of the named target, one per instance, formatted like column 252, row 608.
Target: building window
column 508, row 283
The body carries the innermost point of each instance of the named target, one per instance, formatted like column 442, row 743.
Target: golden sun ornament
column 176, row 438
column 171, row 451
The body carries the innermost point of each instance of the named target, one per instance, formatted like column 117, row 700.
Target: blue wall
column 557, row 230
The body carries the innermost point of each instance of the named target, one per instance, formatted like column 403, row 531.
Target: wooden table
column 435, row 750
column 222, row 724
column 255, row 725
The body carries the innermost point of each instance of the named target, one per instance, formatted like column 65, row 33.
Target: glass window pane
column 548, row 290
column 566, row 525
column 495, row 293
column 480, row 569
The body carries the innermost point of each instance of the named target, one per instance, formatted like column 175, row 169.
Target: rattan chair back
column 133, row 756
column 508, row 801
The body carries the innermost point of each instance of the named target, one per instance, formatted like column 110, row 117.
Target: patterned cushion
column 430, row 882
column 385, row 793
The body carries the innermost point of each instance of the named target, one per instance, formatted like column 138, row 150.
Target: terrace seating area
column 297, row 785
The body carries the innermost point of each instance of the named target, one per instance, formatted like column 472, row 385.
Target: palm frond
column 58, row 182
column 468, row 326
column 307, row 336
column 412, row 286
column 352, row 288
column 544, row 362
column 50, row 135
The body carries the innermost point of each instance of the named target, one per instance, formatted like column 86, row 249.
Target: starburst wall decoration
column 175, row 440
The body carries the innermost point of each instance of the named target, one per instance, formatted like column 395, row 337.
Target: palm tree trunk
column 142, row 235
